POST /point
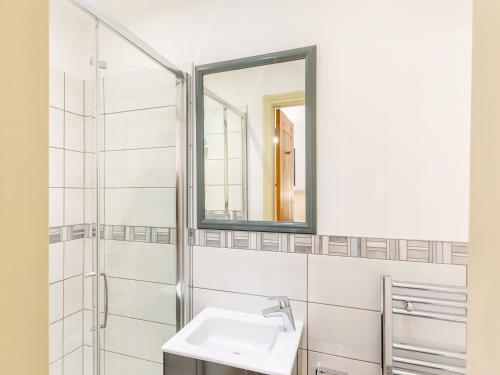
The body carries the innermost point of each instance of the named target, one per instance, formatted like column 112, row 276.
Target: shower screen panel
column 136, row 169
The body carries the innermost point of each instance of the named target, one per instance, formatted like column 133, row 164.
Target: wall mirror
column 255, row 142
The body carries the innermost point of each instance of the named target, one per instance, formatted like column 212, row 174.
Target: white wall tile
column 56, row 262
column 56, row 88
column 90, row 171
column 56, row 127
column 214, row 198
column 88, row 324
column 90, row 205
column 349, row 366
column 141, row 129
column 116, row 364
column 355, row 282
column 262, row 273
column 142, row 207
column 214, row 146
column 139, row 90
column 73, row 168
column 89, row 90
column 88, row 255
column 56, row 368
column 55, row 341
column 141, row 261
column 73, row 338
column 74, row 137
column 90, row 141
column 56, row 167
column 345, row 332
column 422, row 332
column 246, row 303
column 56, row 207
column 88, row 292
column 214, row 172
column 55, row 302
column 73, row 363
column 73, row 210
column 73, row 258
column 137, row 338
column 73, row 295
column 142, row 300
column 73, row 94
column 140, row 168
column 88, row 360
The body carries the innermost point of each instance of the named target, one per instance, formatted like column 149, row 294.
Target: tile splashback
column 446, row 252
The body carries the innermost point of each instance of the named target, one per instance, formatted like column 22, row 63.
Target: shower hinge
column 102, row 64
column 191, row 234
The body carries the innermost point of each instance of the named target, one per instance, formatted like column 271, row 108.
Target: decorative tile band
column 113, row 232
column 445, row 252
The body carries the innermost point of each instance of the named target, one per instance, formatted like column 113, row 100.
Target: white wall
column 393, row 97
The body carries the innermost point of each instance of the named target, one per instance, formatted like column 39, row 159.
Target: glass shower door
column 135, row 285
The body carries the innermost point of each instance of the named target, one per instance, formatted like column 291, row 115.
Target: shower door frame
column 183, row 302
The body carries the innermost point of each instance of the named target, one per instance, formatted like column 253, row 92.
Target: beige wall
column 484, row 269
column 23, row 187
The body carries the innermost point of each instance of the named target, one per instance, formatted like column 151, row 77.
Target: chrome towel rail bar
column 419, row 349
column 452, row 308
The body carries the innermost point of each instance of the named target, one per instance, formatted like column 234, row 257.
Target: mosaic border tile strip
column 114, row 232
column 443, row 252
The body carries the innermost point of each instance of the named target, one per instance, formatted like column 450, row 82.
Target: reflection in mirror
column 255, row 142
column 255, row 117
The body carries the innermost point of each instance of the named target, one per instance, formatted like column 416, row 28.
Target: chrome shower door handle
column 105, row 323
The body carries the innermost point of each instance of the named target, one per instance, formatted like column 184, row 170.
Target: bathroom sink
column 247, row 341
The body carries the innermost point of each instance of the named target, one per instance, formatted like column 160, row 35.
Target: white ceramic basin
column 236, row 339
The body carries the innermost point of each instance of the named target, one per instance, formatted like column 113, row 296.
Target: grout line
column 65, row 355
column 349, row 358
column 137, row 187
column 137, row 148
column 142, row 320
column 135, row 109
column 139, row 280
column 243, row 293
column 131, row 356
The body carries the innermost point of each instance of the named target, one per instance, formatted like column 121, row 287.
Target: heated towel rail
column 443, row 303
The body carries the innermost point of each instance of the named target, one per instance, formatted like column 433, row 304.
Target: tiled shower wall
column 138, row 211
column 334, row 286
column 66, row 222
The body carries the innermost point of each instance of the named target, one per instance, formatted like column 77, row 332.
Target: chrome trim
column 96, row 285
column 427, row 364
column 225, row 103
column 405, row 372
column 386, row 323
column 283, row 310
column 431, row 315
column 419, row 349
column 180, row 199
column 434, row 288
column 244, row 172
column 126, row 34
column 105, row 322
column 430, row 301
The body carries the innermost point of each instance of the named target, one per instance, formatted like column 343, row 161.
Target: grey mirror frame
column 309, row 226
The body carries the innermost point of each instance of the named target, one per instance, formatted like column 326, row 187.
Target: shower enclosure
column 116, row 196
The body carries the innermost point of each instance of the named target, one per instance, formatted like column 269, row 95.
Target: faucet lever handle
column 283, row 300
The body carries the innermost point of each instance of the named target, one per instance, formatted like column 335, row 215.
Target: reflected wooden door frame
column 270, row 104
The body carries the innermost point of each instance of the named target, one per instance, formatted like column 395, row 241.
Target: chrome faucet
column 284, row 310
